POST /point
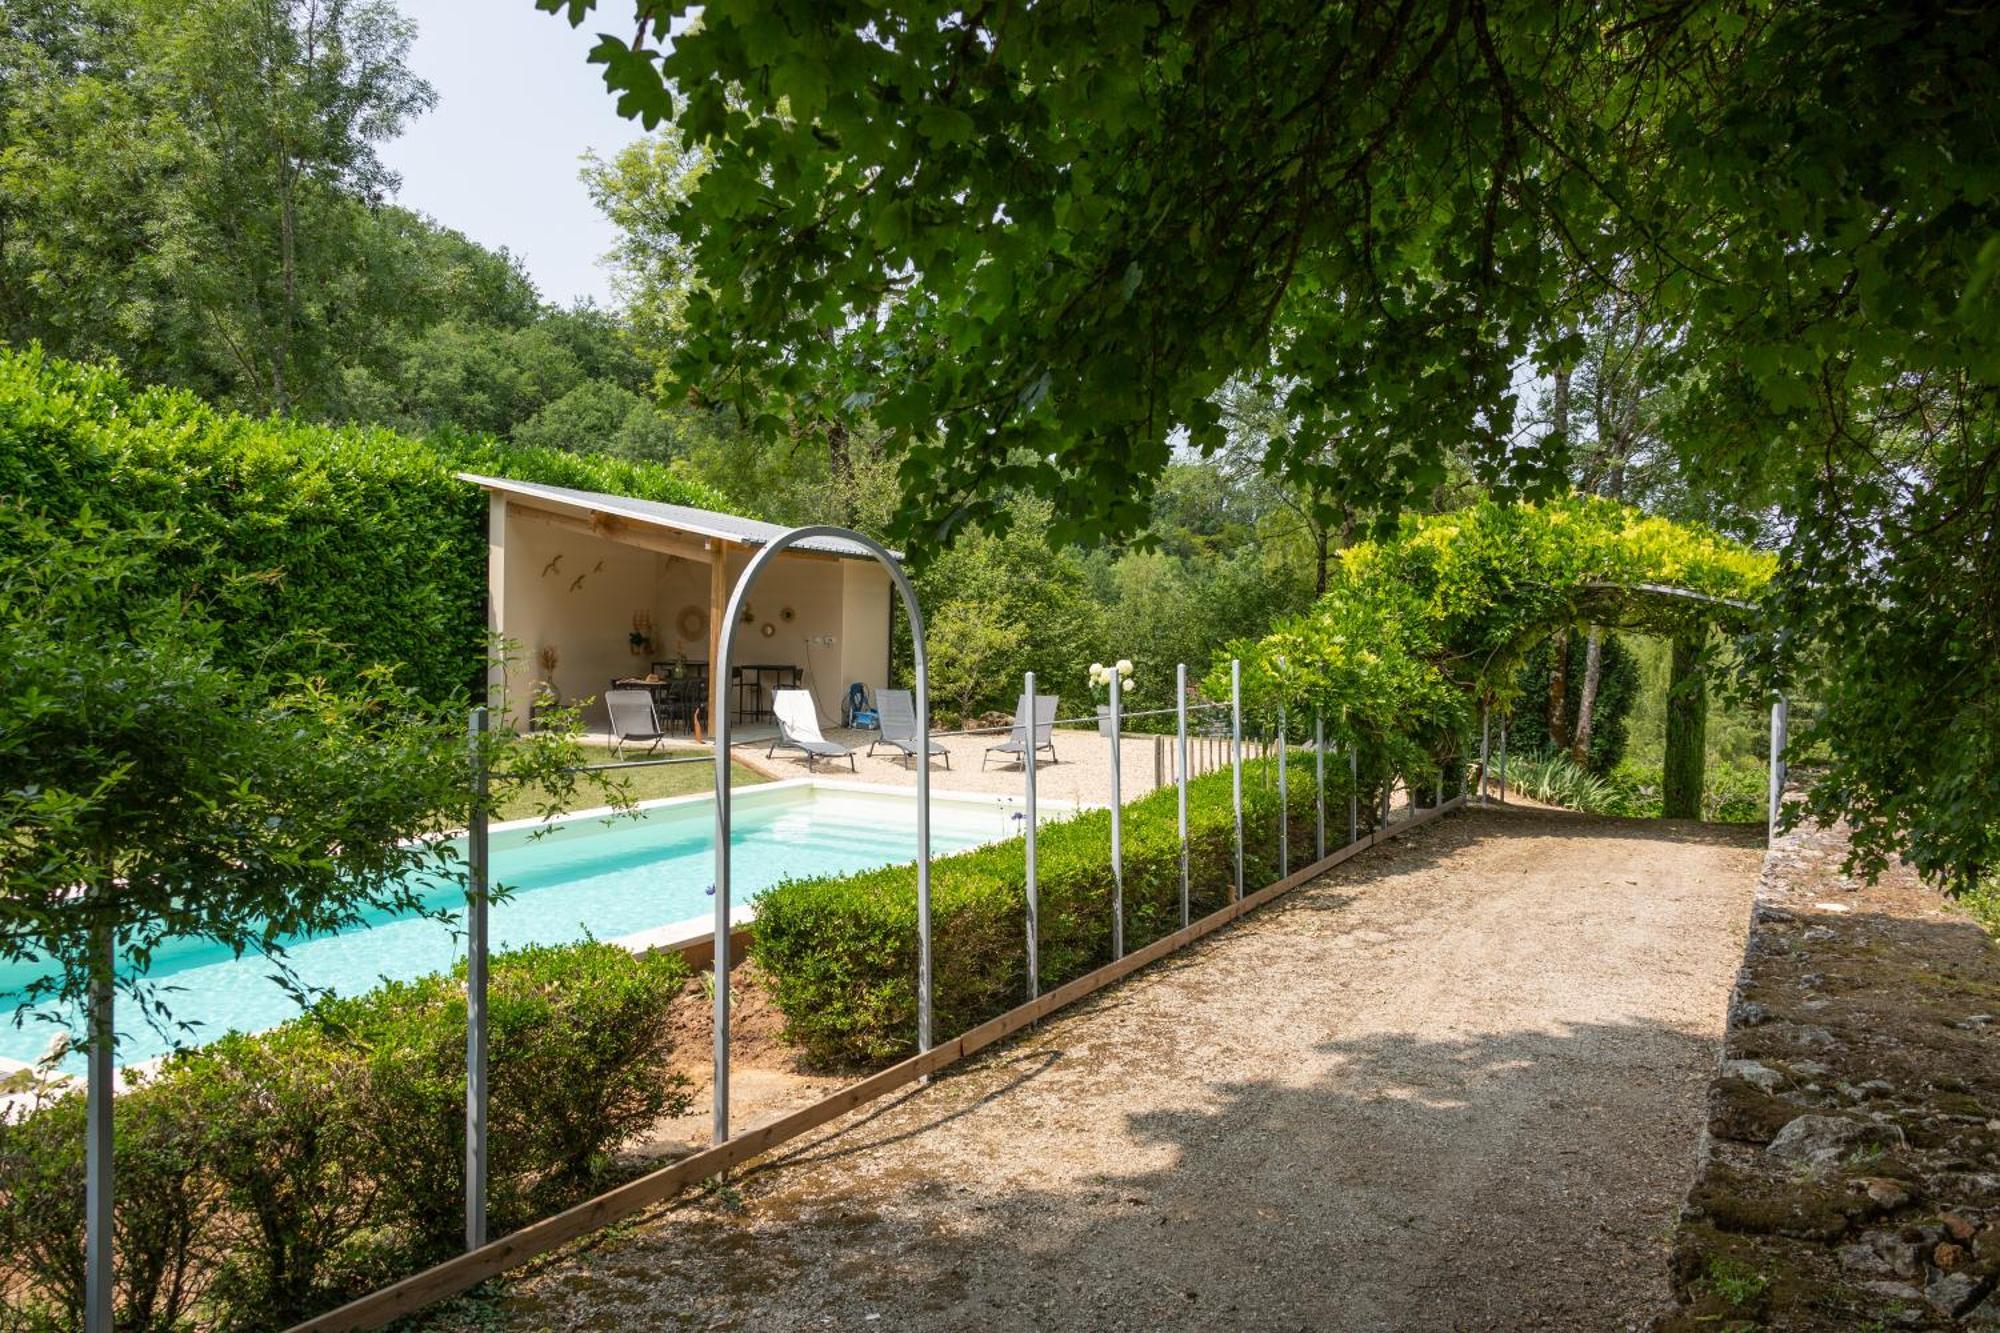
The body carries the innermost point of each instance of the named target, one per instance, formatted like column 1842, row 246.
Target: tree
column 1054, row 234
column 220, row 155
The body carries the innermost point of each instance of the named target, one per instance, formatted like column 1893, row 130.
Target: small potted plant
column 1101, row 677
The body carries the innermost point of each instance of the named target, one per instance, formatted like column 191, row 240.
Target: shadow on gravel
column 1525, row 1179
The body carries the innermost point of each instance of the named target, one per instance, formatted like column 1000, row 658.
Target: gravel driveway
column 1455, row 1084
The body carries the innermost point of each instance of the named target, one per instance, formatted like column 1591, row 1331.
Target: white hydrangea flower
column 1124, row 666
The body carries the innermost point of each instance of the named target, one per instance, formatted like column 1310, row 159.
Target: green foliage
column 576, row 1065
column 1528, row 728
column 193, row 186
column 263, row 1178
column 840, row 952
column 1049, row 240
column 1413, row 631
column 363, row 536
column 150, row 791
column 163, row 1237
column 1557, row 780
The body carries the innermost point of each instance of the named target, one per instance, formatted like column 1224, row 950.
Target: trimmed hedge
column 263, row 1178
column 363, row 536
column 840, row 953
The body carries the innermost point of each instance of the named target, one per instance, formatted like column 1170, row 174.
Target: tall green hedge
column 840, row 953
column 362, row 536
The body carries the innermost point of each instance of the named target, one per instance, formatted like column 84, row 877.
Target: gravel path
column 1455, row 1084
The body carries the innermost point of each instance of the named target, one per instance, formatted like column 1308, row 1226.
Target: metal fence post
column 1034, row 887
column 1284, row 805
column 477, row 860
column 1353, row 793
column 1181, row 776
column 1117, row 824
column 99, row 1093
column 1503, row 760
column 1319, row 787
column 1236, row 761
column 1780, row 736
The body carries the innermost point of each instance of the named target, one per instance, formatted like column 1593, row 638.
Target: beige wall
column 577, row 592
column 864, row 628
column 837, row 632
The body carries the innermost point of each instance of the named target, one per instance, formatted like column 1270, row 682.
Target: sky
column 497, row 157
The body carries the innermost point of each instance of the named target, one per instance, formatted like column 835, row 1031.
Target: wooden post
column 718, row 599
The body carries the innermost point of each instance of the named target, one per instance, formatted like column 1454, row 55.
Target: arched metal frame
column 732, row 617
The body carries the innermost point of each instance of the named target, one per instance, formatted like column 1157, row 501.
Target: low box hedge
column 263, row 1178
column 840, row 953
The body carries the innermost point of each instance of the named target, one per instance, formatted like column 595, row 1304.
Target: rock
column 1904, row 1258
column 1950, row 1293
column 1772, row 912
column 1894, row 1291
column 1948, row 1256
column 1758, row 1075
column 1957, row 1227
column 1809, row 1068
column 1749, row 1013
column 1864, row 1259
column 1822, row 1140
column 1834, row 907
column 1986, row 1314
column 1891, row 1194
column 1807, row 1036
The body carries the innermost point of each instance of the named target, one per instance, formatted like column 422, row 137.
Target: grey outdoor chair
column 896, row 712
column 1017, row 741
column 634, row 721
column 798, row 729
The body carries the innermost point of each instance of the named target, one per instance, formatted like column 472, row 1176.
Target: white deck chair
column 897, row 714
column 634, row 721
column 798, row 729
column 1016, row 743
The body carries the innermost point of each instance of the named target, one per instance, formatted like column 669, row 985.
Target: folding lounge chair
column 898, row 710
column 633, row 720
column 1017, row 742
column 798, row 729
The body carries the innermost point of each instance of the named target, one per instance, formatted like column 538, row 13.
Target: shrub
column 362, row 534
column 840, row 953
column 162, row 1239
column 280, row 1114
column 264, row 1177
column 578, row 1047
column 1558, row 780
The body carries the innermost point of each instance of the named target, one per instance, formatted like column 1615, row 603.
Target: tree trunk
column 1559, row 690
column 1559, row 407
column 1586, row 700
column 1322, row 553
column 1687, row 732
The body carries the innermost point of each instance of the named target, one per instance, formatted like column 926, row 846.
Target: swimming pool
column 646, row 877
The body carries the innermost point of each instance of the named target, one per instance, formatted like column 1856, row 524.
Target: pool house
column 588, row 590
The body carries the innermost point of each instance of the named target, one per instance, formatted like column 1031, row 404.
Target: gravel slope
column 1455, row 1084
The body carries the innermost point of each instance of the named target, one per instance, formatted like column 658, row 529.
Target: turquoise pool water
column 587, row 877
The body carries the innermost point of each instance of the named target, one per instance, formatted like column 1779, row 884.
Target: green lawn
column 641, row 784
